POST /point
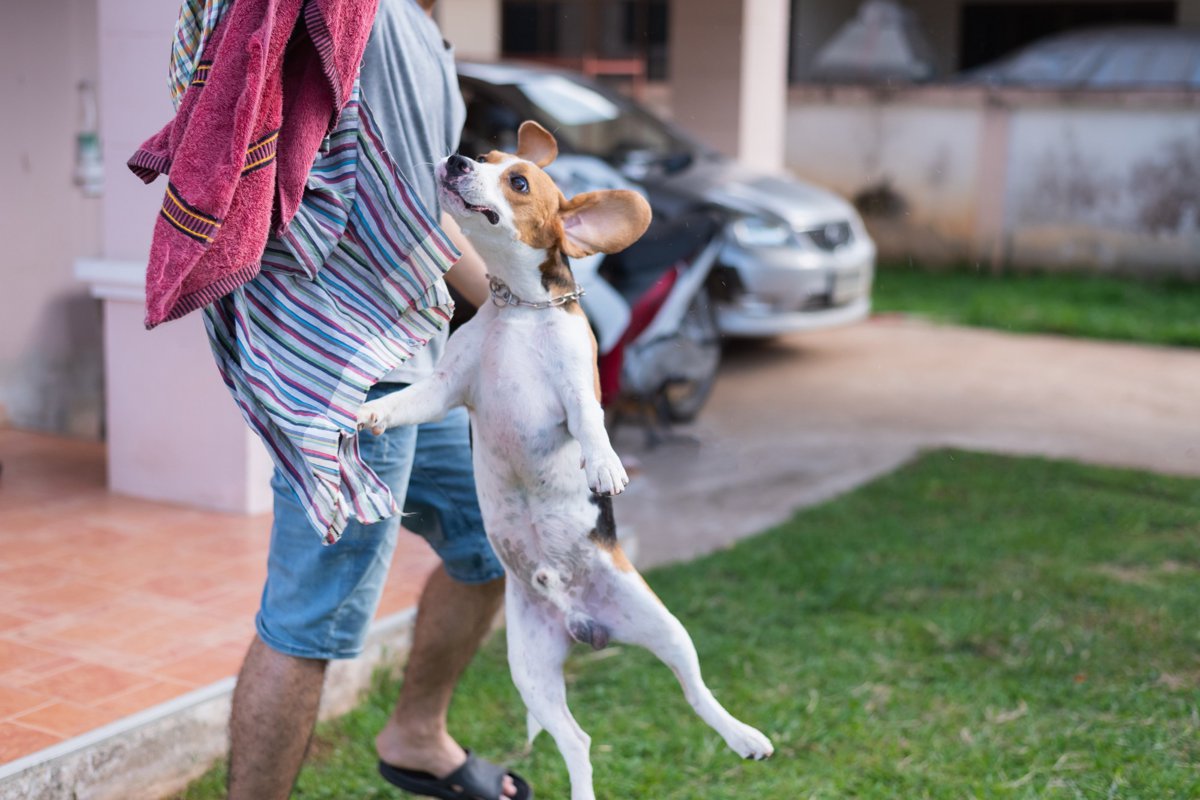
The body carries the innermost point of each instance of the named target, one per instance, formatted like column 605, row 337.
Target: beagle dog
column 525, row 367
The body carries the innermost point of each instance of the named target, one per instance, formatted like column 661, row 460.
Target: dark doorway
column 533, row 28
column 993, row 30
column 530, row 28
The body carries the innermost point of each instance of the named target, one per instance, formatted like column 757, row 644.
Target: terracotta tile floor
column 110, row 605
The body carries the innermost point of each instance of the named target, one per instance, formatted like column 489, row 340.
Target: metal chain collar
column 503, row 296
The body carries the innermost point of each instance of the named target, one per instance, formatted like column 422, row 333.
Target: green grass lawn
column 1163, row 312
column 970, row 626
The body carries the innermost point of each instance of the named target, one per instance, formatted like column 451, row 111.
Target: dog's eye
column 518, row 183
column 481, row 159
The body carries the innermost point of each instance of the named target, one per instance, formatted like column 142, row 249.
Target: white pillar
column 472, row 26
column 729, row 75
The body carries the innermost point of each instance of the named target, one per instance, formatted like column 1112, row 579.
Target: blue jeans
column 318, row 601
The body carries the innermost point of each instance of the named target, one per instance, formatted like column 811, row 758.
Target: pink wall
column 174, row 433
column 50, row 366
column 135, row 45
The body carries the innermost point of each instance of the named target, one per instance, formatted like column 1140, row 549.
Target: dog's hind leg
column 537, row 647
column 637, row 616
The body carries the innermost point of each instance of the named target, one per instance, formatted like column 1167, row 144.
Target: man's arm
column 469, row 275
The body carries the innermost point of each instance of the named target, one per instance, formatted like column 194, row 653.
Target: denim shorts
column 319, row 600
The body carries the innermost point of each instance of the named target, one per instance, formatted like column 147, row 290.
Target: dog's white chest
column 516, row 394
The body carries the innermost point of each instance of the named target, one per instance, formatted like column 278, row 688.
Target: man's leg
column 452, row 620
column 274, row 710
column 317, row 605
column 457, row 607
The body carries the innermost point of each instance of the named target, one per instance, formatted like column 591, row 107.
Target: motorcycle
column 658, row 343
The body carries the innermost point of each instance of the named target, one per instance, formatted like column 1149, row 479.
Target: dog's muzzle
column 458, row 167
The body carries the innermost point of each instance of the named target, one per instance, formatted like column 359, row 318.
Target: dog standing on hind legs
column 525, row 367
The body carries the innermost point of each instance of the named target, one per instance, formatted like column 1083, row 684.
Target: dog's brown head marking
column 605, row 221
column 521, row 223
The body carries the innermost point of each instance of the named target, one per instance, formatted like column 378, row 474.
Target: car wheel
column 697, row 359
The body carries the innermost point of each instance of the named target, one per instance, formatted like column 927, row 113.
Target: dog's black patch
column 556, row 273
column 605, row 532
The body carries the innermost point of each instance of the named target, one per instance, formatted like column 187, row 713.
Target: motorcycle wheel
column 699, row 339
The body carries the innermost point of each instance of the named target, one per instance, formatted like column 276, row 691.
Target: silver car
column 797, row 258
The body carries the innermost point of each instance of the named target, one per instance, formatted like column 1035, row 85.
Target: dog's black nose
column 458, row 165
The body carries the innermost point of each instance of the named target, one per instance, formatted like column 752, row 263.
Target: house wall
column 472, row 26
column 135, row 45
column 50, row 366
column 1114, row 188
column 927, row 153
column 1100, row 181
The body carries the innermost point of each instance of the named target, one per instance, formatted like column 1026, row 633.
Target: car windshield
column 596, row 122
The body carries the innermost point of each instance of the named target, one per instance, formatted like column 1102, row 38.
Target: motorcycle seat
column 635, row 269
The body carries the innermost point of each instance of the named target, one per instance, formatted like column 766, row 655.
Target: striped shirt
column 346, row 294
column 197, row 19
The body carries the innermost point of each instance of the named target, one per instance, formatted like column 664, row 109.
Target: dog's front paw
column 605, row 473
column 374, row 416
column 748, row 742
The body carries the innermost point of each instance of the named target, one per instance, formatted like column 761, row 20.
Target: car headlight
column 832, row 236
column 760, row 232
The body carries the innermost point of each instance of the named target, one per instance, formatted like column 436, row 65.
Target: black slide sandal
column 476, row 779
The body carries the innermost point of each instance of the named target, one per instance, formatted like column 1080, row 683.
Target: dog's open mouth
column 489, row 213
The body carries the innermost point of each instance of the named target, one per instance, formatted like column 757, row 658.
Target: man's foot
column 437, row 755
column 476, row 779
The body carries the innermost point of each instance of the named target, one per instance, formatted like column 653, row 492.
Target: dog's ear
column 536, row 144
column 607, row 221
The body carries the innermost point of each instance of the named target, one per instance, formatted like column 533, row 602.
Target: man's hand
column 469, row 275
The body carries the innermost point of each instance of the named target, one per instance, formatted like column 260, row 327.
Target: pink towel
column 239, row 150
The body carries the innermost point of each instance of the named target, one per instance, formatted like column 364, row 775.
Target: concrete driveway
column 804, row 418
